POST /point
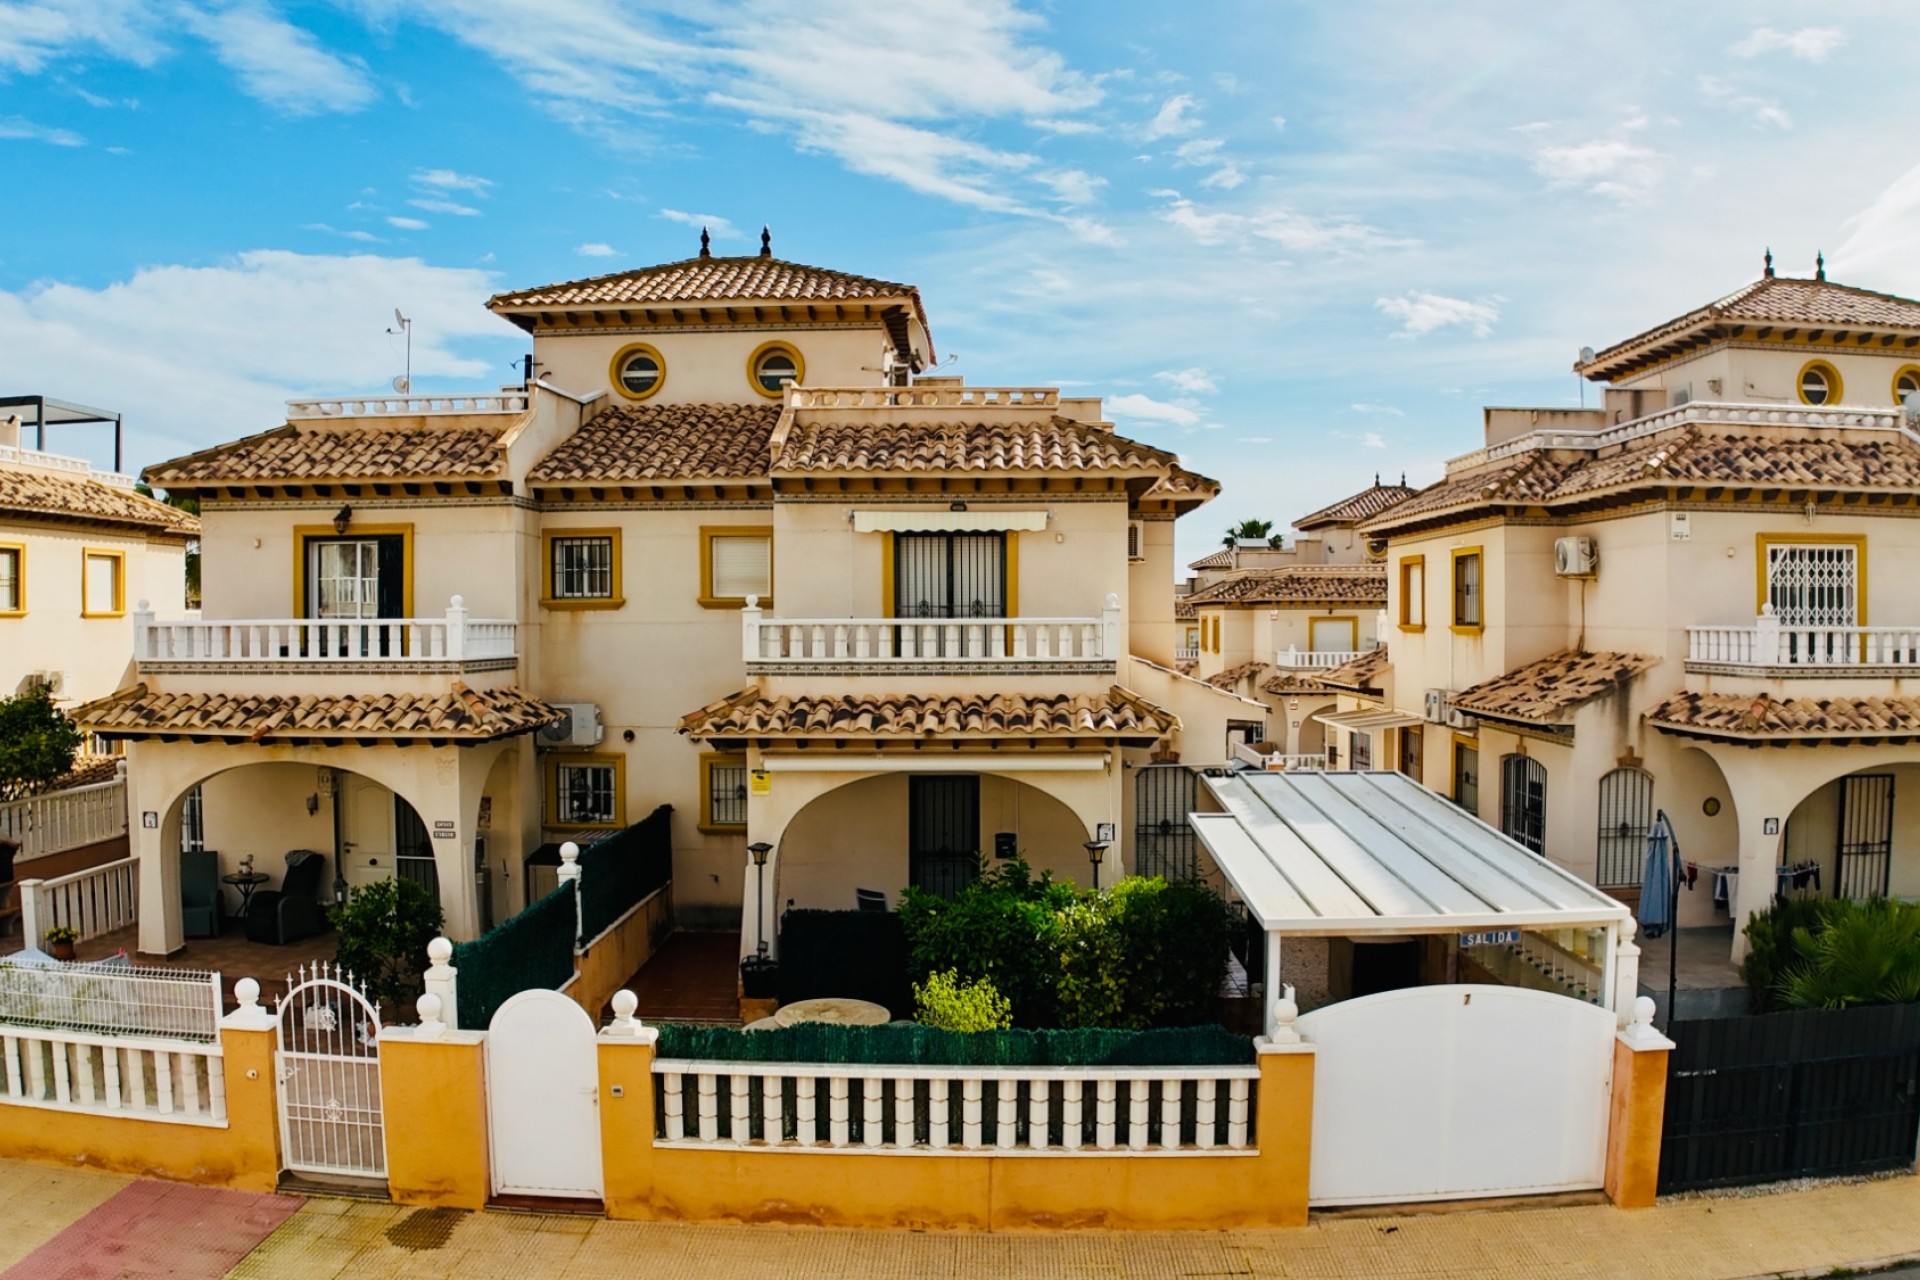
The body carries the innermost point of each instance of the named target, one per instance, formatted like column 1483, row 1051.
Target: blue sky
column 1298, row 243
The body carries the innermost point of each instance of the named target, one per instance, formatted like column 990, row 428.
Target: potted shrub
column 60, row 942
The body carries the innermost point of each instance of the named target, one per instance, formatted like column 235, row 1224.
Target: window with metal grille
column 585, row 794
column 1466, row 776
column 582, row 568
column 943, row 832
column 1410, row 752
column 1865, row 835
column 193, row 823
column 413, row 849
column 1466, row 590
column 1163, row 796
column 1814, row 584
column 1626, row 815
column 727, row 794
column 1359, row 751
column 1523, row 801
column 950, row 575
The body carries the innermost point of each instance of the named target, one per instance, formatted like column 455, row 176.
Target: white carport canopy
column 1368, row 719
column 1350, row 854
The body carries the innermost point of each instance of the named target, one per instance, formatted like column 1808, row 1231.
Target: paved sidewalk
column 1793, row 1233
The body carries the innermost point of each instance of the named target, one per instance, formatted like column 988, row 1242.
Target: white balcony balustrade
column 348, row 642
column 1278, row 760
column 942, row 643
column 1186, row 653
column 67, row 819
column 1318, row 659
column 1780, row 648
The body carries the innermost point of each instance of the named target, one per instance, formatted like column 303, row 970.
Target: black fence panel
column 1813, row 1093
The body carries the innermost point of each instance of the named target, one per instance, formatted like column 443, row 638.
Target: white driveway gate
column 1450, row 1092
column 327, row 1058
column 543, row 1087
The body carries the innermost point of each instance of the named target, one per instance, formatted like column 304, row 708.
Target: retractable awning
column 1376, row 853
column 941, row 520
column 1368, row 719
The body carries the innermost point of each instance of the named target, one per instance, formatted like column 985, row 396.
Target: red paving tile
column 156, row 1229
column 693, row 977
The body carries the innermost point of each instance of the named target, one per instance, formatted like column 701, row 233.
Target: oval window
column 773, row 367
column 1906, row 383
column 638, row 372
column 1819, row 383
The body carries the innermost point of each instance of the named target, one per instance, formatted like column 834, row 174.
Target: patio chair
column 293, row 911
column 200, row 905
column 870, row 900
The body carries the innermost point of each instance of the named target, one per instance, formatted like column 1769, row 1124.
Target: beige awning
column 941, row 520
column 1368, row 719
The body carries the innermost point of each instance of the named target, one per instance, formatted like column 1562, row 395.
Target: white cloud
column 1253, row 439
column 408, row 224
column 1147, row 409
column 364, row 237
column 1093, row 231
column 716, row 225
column 1883, row 240
column 433, row 204
column 1291, row 230
column 278, row 63
column 1613, row 167
column 1279, row 122
column 1225, row 178
column 1193, row 381
column 1073, row 186
column 34, row 34
column 18, row 129
column 209, row 353
column 1760, row 110
column 1198, row 151
column 597, row 250
column 1175, row 116
column 1373, row 440
column 450, row 180
column 1420, row 312
column 1385, row 410
column 1810, row 44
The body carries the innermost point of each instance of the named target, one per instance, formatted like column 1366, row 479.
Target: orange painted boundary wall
column 609, row 960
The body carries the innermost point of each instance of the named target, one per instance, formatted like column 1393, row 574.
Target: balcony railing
column 358, row 642
column 942, row 643
column 1775, row 646
column 1318, row 659
column 1278, row 760
column 1186, row 653
column 65, row 819
column 407, row 406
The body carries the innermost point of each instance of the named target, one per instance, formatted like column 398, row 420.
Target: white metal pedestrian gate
column 327, row 1058
column 543, row 1090
column 1451, row 1092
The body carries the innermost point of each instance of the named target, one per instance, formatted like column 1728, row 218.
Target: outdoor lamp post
column 759, row 850
column 1096, row 851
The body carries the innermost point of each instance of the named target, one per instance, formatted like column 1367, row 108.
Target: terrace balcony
column 1772, row 648
column 1293, row 659
column 453, row 642
column 932, row 646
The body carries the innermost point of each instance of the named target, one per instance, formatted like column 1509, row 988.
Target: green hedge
column 909, row 1044
column 617, row 873
column 861, row 955
column 534, row 950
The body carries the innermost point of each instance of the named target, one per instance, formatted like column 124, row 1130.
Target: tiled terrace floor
column 694, row 977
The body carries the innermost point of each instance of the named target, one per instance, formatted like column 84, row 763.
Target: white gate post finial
column 431, row 1027
column 442, row 981
column 249, row 1016
column 625, row 1025
column 1285, row 1010
column 570, row 873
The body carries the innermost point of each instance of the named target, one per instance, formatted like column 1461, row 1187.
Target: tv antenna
column 404, row 383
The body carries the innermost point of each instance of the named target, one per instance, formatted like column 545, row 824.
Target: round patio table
column 834, row 1009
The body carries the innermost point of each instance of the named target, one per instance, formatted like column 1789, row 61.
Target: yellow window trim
column 1353, row 629
column 708, row 532
column 119, row 558
column 547, row 600
column 887, row 562
column 1762, row 541
column 1834, row 381
column 1904, row 371
column 1453, row 592
column 302, row 533
column 708, row 759
column 620, row 358
column 1407, row 562
column 19, row 550
column 587, row 758
column 761, row 352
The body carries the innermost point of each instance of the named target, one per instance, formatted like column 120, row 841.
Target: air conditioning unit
column 1574, row 557
column 579, row 726
column 1457, row 719
column 54, row 682
column 1436, row 707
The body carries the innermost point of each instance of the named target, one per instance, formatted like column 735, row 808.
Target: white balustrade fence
column 1186, row 653
column 899, row 1109
column 140, row 1077
column 944, row 641
column 399, row 406
column 452, row 638
column 923, row 397
column 1277, row 760
column 67, row 819
column 91, row 902
column 1771, row 643
column 111, row 999
column 1318, row 659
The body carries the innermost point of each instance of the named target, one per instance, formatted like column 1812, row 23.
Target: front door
column 352, row 580
column 366, row 830
column 950, row 575
column 1866, row 835
column 943, row 820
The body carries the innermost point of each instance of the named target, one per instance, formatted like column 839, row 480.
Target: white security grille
column 1814, row 585
column 583, row 568
column 328, row 1063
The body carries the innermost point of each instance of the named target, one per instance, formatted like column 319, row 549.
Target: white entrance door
column 543, row 1087
column 1451, row 1092
column 366, row 830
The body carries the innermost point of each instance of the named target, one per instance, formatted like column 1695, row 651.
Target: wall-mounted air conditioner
column 579, row 726
column 1436, row 706
column 1575, row 557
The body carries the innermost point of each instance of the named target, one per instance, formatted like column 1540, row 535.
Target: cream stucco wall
column 1753, row 374
column 708, row 366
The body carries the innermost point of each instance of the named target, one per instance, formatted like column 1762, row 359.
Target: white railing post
column 1110, row 646
column 456, row 630
column 142, row 630
column 1626, row 973
column 570, row 872
column 442, row 981
column 1766, row 637
column 750, row 630
column 33, row 914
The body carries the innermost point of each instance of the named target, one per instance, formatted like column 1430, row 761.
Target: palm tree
column 1252, row 530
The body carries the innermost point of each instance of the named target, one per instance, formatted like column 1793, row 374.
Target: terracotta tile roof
column 88, row 770
column 308, row 451
column 1362, row 675
column 1310, row 584
column 1368, row 502
column 1734, row 715
column 745, row 279
column 665, row 442
column 1053, row 444
column 1288, row 682
column 1548, row 689
column 1221, row 559
column 751, row 714
column 1230, row 678
column 29, row 491
column 1779, row 300
column 1186, row 667
column 461, row 712
column 1183, row 609
column 1182, row 483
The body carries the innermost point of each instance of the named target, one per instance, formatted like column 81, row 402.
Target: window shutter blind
column 742, row 566
column 101, row 572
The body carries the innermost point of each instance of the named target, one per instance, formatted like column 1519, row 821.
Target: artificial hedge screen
column 909, row 1044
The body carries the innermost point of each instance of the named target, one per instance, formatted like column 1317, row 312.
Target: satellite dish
column 398, row 318
column 1586, row 355
column 1912, row 402
column 402, row 383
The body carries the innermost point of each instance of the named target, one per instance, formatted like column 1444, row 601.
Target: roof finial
column 766, row 241
column 1769, row 271
column 1819, row 265
column 1403, row 479
column 1376, row 479
column 706, row 244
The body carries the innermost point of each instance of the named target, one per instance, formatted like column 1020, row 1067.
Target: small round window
column 1819, row 383
column 638, row 371
column 1906, row 383
column 773, row 366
